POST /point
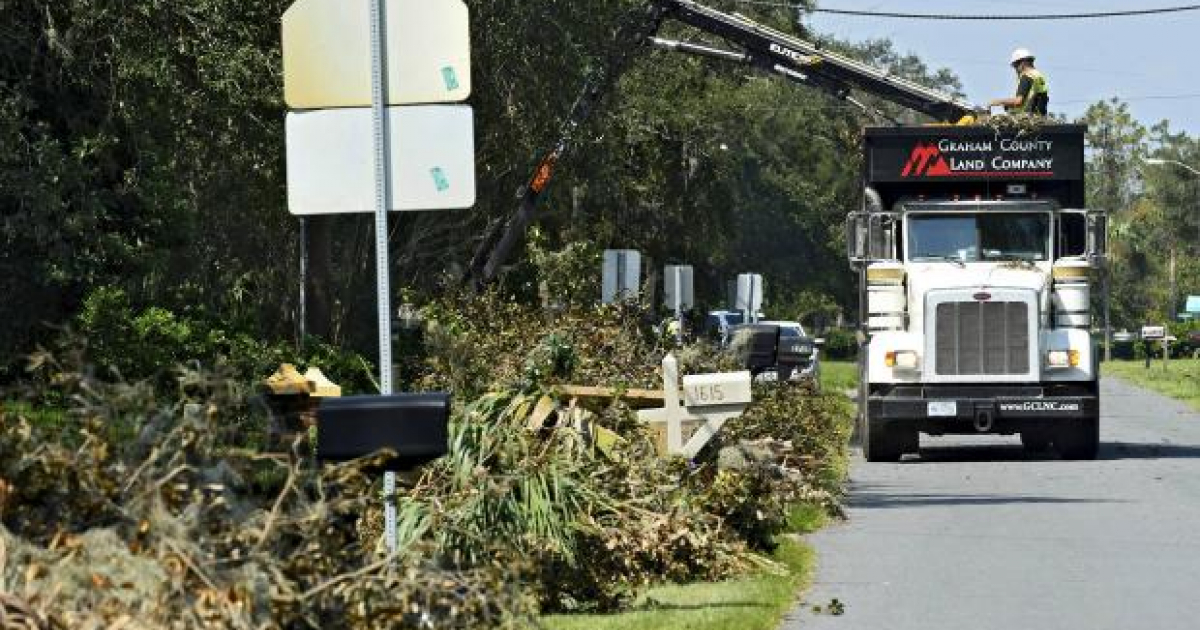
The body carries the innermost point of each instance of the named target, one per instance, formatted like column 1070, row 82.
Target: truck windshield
column 979, row 237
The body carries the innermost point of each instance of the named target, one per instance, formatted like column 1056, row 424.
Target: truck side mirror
column 857, row 237
column 881, row 236
column 414, row 426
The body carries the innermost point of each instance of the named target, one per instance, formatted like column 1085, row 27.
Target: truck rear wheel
column 887, row 442
column 1079, row 439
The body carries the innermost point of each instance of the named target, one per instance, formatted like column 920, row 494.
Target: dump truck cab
column 976, row 260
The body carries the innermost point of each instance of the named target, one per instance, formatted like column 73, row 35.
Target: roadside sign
column 363, row 57
column 749, row 295
column 678, row 282
column 1193, row 304
column 330, row 156
column 327, row 53
column 1154, row 332
column 622, row 275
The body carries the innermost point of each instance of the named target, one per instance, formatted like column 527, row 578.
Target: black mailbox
column 414, row 426
column 756, row 346
column 795, row 351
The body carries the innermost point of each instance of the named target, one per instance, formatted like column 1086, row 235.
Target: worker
column 1033, row 90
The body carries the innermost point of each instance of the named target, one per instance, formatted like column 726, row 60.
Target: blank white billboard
column 327, row 52
column 331, row 163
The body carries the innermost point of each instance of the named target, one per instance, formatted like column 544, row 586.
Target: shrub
column 817, row 425
column 175, row 526
column 473, row 343
column 149, row 343
column 527, row 511
column 589, row 529
column 840, row 344
column 788, row 448
column 568, row 276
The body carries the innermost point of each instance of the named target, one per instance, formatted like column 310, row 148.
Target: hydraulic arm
column 761, row 46
column 808, row 63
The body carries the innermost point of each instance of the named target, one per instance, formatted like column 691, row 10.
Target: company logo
column 926, row 160
column 983, row 297
column 974, row 158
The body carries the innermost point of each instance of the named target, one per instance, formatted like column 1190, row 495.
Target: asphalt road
column 977, row 535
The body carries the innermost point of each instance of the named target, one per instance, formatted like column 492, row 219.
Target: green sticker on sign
column 439, row 179
column 451, row 79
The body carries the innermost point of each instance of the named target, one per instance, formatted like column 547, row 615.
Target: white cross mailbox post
column 709, row 400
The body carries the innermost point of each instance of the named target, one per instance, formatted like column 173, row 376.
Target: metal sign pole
column 382, row 201
column 620, row 297
column 303, row 309
column 753, row 300
column 750, row 312
column 678, row 305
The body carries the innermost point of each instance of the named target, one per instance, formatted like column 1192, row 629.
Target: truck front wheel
column 887, row 442
column 1079, row 439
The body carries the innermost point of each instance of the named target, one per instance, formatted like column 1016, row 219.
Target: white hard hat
column 1021, row 54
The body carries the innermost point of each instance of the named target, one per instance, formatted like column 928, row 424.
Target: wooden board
column 637, row 398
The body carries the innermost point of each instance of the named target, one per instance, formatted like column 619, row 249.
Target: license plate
column 943, row 409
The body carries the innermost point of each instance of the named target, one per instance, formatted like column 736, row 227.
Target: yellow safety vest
column 1040, row 86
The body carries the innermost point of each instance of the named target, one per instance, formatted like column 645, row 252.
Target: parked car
column 719, row 324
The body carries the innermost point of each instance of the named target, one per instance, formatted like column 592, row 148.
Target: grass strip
column 757, row 602
column 839, row 376
column 1180, row 379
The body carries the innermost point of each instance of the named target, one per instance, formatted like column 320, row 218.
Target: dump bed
column 976, row 162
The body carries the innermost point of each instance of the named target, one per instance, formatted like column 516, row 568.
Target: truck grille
column 981, row 338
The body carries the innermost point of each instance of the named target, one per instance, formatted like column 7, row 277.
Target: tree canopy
column 145, row 154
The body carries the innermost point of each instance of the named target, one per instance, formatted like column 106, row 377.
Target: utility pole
column 1105, row 289
column 1106, row 272
column 1173, row 289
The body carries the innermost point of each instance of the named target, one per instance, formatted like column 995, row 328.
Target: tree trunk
column 320, row 277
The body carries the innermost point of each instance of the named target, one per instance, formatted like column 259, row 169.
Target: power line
column 961, row 17
column 1160, row 97
column 945, row 62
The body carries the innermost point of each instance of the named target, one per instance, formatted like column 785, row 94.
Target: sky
column 1150, row 61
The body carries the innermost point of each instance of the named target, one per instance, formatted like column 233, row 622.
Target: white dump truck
column 977, row 263
column 975, row 254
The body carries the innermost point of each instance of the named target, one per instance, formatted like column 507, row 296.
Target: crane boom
column 779, row 52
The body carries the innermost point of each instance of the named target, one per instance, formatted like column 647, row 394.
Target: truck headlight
column 1062, row 358
column 902, row 359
